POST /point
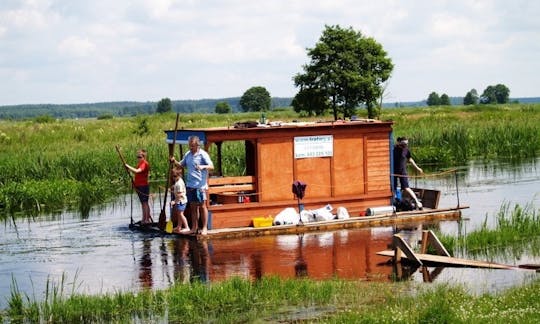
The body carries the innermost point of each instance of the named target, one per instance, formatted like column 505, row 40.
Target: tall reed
column 514, row 229
column 47, row 164
column 449, row 136
column 271, row 299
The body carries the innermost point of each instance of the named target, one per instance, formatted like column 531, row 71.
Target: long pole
column 130, row 177
column 457, row 187
column 162, row 217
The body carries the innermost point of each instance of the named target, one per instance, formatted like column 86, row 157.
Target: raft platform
column 443, row 258
column 335, row 224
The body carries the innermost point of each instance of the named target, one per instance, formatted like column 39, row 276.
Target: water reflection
column 346, row 254
column 181, row 260
column 145, row 274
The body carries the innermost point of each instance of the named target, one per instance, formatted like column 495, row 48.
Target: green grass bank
column 49, row 165
column 285, row 300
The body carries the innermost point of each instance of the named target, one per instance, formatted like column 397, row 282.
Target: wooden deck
column 353, row 222
column 443, row 258
column 450, row 261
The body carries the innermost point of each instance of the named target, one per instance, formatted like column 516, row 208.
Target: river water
column 99, row 254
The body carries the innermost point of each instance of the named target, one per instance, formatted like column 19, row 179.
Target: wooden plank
column 231, row 188
column 275, row 162
column 316, row 172
column 220, row 181
column 400, row 244
column 451, row 261
column 348, row 166
column 437, row 244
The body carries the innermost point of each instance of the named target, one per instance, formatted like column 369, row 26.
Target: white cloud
column 77, row 46
column 55, row 50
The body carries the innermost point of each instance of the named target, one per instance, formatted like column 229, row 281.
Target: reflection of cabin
column 344, row 163
column 338, row 254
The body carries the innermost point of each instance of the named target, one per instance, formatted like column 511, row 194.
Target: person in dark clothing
column 402, row 155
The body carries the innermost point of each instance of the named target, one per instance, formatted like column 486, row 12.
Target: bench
column 218, row 185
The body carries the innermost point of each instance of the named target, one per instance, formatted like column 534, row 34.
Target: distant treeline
column 121, row 108
column 454, row 101
column 131, row 108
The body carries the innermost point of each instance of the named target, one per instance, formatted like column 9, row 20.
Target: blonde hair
column 142, row 152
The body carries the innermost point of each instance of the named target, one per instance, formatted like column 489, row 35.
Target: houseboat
column 342, row 164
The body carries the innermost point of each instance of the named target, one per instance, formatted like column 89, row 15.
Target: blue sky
column 74, row 51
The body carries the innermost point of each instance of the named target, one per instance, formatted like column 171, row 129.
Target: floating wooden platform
column 353, row 222
column 450, row 261
column 403, row 250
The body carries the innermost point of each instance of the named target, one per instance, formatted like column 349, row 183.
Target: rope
column 424, row 175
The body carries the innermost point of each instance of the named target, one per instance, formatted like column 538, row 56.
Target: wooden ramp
column 444, row 258
column 451, row 260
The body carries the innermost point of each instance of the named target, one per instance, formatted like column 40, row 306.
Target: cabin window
column 237, row 158
column 232, row 180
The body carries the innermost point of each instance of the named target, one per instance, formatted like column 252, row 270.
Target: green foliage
column 44, row 165
column 433, row 99
column 119, row 109
column 312, row 101
column 347, row 69
column 447, row 136
column 4, row 138
column 164, row 106
column 44, row 119
column 105, row 116
column 514, row 229
column 271, row 299
column 223, row 107
column 88, row 110
column 495, row 94
column 471, row 98
column 142, row 128
column 256, row 99
column 445, row 100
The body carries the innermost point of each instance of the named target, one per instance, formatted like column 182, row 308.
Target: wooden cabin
column 343, row 163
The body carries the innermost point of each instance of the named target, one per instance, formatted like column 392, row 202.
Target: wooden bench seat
column 231, row 184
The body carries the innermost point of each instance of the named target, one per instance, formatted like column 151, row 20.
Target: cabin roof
column 218, row 134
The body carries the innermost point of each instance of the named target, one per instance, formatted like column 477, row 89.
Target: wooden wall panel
column 348, row 166
column 316, row 173
column 378, row 162
column 275, row 163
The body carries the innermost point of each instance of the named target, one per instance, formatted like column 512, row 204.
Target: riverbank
column 49, row 165
column 279, row 300
column 276, row 299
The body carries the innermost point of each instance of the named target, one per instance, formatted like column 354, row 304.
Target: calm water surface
column 100, row 254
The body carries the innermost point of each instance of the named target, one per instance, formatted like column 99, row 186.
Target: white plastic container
column 372, row 211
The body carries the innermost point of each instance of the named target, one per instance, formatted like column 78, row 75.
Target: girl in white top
column 179, row 203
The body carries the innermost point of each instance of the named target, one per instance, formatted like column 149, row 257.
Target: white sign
column 313, row 146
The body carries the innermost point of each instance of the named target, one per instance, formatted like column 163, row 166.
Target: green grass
column 50, row 165
column 515, row 230
column 285, row 300
column 454, row 135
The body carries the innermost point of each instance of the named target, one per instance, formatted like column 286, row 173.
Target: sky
column 77, row 51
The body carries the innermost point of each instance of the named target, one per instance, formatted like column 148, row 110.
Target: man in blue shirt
column 197, row 162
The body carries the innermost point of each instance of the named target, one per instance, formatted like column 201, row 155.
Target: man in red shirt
column 141, row 184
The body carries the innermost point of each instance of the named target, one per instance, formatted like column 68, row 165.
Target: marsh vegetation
column 73, row 164
column 50, row 165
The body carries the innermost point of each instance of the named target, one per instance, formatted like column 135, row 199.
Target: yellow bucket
column 263, row 221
